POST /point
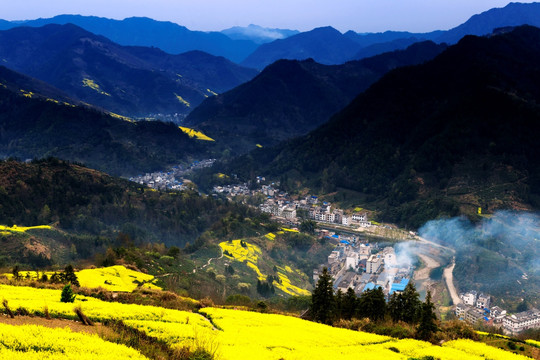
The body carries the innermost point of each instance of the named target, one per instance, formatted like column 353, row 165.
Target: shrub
column 67, row 295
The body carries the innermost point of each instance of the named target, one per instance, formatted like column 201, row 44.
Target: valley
column 302, row 188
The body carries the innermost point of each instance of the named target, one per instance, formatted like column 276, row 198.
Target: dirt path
column 210, row 260
column 430, row 263
column 449, row 279
column 54, row 323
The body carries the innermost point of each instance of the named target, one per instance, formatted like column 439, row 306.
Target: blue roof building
column 369, row 286
column 399, row 286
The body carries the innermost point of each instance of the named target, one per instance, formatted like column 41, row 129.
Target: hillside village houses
column 362, row 266
column 280, row 205
column 476, row 308
column 172, row 179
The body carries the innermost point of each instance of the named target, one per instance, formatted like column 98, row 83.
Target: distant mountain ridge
column 241, row 44
column 290, row 98
column 139, row 31
column 326, row 45
column 258, row 34
column 317, row 43
column 131, row 81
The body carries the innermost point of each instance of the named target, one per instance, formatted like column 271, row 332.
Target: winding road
column 423, row 273
column 447, row 273
column 449, row 279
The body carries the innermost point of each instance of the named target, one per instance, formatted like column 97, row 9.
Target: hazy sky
column 358, row 15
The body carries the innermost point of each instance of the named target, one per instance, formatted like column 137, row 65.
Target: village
column 290, row 211
column 354, row 263
column 363, row 266
column 172, row 179
column 476, row 308
column 357, row 264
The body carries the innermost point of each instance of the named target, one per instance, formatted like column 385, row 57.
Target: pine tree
column 338, row 309
column 372, row 304
column 322, row 299
column 411, row 304
column 395, row 307
column 428, row 320
column 350, row 303
column 70, row 277
column 15, row 272
column 67, row 294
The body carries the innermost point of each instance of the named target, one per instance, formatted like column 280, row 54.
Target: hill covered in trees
column 88, row 210
column 36, row 126
column 131, row 81
column 290, row 98
column 443, row 138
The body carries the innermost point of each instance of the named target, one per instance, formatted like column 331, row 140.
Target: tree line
column 329, row 306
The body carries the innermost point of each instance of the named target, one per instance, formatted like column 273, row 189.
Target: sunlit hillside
column 229, row 334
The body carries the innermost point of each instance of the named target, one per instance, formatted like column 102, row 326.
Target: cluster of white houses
column 364, row 267
column 476, row 308
column 172, row 179
column 279, row 204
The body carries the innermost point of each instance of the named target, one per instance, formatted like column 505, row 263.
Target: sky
column 211, row 15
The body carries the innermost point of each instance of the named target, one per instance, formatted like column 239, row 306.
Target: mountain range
column 290, row 98
column 258, row 34
column 258, row 47
column 131, row 81
column 446, row 137
column 329, row 46
column 139, row 31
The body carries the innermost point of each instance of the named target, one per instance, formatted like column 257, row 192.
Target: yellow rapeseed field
column 271, row 336
column 482, row 350
column 182, row 100
column 112, row 278
column 533, row 343
column 31, row 342
column 243, row 334
column 115, row 278
column 92, row 85
column 21, row 229
column 250, row 254
column 195, row 134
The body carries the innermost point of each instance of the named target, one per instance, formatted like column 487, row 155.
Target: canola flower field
column 92, row 85
column 115, row 278
column 21, row 229
column 32, row 342
column 195, row 134
column 277, row 336
column 112, row 278
column 241, row 334
column 250, row 254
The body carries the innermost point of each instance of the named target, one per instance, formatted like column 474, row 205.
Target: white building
column 289, row 213
column 469, row 298
column 483, row 301
column 522, row 321
column 373, row 264
column 351, row 261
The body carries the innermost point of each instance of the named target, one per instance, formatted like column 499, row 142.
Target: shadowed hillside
column 445, row 137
